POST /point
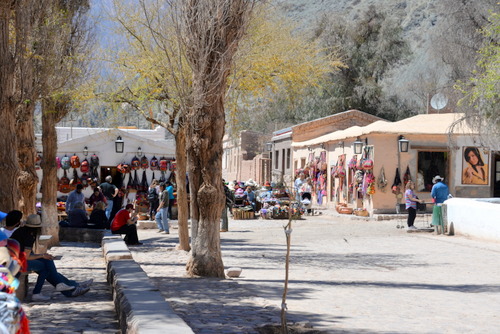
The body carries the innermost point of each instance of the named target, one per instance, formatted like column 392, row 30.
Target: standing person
column 98, row 217
column 76, row 196
column 110, row 191
column 153, row 199
column 411, row 201
column 97, row 196
column 43, row 264
column 440, row 191
column 162, row 213
column 171, row 198
column 227, row 204
column 476, row 172
column 124, row 223
column 297, row 184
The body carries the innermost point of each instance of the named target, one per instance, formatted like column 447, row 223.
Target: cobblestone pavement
column 346, row 276
column 91, row 313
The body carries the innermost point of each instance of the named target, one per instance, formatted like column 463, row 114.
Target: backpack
column 75, row 161
column 163, row 164
column 123, row 168
column 152, row 195
column 84, row 166
column 135, row 164
column 94, row 161
column 144, row 162
column 154, row 163
column 58, row 162
column 38, row 161
column 85, row 180
column 63, row 185
column 65, row 163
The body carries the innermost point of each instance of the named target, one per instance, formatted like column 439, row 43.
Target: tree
column 210, row 31
column 370, row 48
column 482, row 91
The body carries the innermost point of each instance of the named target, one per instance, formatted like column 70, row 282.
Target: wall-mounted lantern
column 119, row 144
column 139, row 152
column 403, row 144
column 358, row 146
column 85, row 151
column 269, row 146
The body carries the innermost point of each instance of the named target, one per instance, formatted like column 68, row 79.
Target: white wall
column 474, row 217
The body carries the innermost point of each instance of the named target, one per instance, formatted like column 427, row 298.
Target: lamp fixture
column 322, row 146
column 358, row 146
column 309, row 148
column 119, row 144
column 85, row 151
column 139, row 152
column 341, row 144
column 403, row 144
column 269, row 146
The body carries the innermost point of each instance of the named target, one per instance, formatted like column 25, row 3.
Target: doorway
column 496, row 173
column 113, row 171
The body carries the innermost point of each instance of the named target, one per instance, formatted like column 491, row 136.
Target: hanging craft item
column 75, row 180
column 85, row 166
column 382, row 181
column 75, row 161
column 153, row 177
column 135, row 183
column 368, row 164
column 163, row 163
column 153, row 164
column 144, row 182
column 130, row 184
column 396, row 186
column 370, row 183
column 352, row 163
column 58, row 162
column 64, row 186
column 144, row 162
column 135, row 164
column 94, row 164
column 407, row 176
column 123, row 168
column 38, row 161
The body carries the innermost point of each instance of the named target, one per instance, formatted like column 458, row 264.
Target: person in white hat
column 440, row 191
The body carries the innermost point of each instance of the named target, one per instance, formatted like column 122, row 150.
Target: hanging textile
column 382, row 181
column 407, row 176
column 396, row 186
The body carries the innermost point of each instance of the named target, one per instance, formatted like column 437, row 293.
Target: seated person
column 97, row 197
column 43, row 264
column 77, row 217
column 98, row 217
column 124, row 223
column 250, row 195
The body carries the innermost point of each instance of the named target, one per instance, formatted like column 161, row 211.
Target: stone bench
column 114, row 248
column 80, row 234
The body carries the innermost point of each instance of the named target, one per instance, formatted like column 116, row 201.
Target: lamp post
column 119, row 144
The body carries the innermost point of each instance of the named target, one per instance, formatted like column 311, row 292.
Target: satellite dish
column 439, row 101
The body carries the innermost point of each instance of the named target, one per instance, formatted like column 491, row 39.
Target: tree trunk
column 207, row 195
column 182, row 197
column 26, row 151
column 51, row 115
column 9, row 167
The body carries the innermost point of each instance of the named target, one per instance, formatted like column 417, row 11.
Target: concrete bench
column 114, row 248
column 80, row 234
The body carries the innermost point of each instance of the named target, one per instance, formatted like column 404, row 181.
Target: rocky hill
column 439, row 32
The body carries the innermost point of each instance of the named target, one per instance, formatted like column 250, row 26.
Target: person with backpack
column 110, row 191
column 153, row 199
column 171, row 198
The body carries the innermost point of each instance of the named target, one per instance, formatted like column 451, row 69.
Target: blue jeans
column 162, row 219
column 109, row 208
column 46, row 270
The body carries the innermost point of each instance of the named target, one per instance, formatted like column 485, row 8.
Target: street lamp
column 403, row 144
column 119, row 144
column 358, row 146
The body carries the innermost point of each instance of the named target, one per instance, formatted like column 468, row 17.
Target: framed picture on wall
column 475, row 165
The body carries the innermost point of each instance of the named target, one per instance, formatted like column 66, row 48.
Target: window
column 276, row 159
column 288, row 158
column 430, row 164
column 302, row 162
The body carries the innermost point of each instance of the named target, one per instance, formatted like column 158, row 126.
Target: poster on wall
column 474, row 166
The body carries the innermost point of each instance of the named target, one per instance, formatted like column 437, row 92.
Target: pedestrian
column 411, row 201
column 110, row 191
column 153, row 199
column 162, row 212
column 297, row 184
column 76, row 196
column 43, row 264
column 440, row 190
column 227, row 205
column 171, row 198
column 124, row 223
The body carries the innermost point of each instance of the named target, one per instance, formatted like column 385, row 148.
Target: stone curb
column 139, row 305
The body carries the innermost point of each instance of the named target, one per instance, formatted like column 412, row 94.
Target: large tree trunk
column 52, row 113
column 182, row 197
column 26, row 151
column 207, row 195
column 9, row 167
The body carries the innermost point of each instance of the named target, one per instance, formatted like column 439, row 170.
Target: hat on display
column 250, row 183
column 33, row 221
column 437, row 178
